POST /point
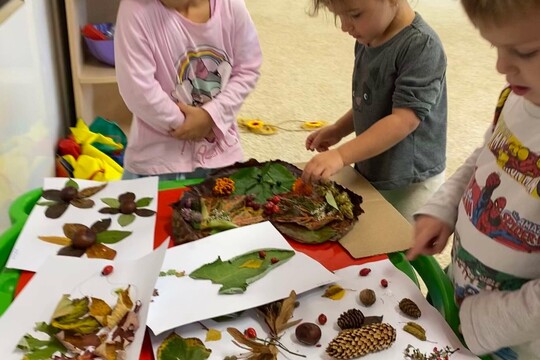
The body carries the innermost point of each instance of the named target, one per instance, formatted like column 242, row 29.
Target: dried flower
column 223, row 187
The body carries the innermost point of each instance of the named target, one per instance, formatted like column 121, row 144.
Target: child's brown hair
column 496, row 11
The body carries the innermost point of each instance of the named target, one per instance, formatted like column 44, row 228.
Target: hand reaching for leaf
column 197, row 124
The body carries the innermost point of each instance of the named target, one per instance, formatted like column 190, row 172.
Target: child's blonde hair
column 317, row 5
column 496, row 11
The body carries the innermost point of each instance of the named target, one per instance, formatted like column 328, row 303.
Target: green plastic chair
column 440, row 292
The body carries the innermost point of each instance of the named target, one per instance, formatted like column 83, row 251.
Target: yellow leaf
column 99, row 309
column 213, row 335
column 58, row 240
column 122, row 307
column 252, row 264
column 334, row 292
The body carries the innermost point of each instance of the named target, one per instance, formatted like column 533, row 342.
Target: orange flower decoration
column 223, row 187
column 301, row 188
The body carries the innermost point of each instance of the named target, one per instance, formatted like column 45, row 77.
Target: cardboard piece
column 381, row 228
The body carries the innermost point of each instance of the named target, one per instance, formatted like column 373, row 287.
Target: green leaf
column 126, row 219
column 112, row 202
column 301, row 234
column 235, row 278
column 71, row 183
column 175, row 347
column 38, row 349
column 144, row 202
column 263, row 182
column 331, row 200
column 112, row 236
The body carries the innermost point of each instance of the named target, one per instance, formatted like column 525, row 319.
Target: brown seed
column 308, row 333
column 367, row 297
column 83, row 239
column 128, row 207
column 68, row 193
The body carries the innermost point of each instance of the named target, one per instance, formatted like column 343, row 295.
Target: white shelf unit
column 94, row 84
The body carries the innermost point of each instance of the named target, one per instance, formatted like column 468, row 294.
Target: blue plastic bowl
column 103, row 50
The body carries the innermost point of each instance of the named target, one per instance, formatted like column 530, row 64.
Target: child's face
column 365, row 20
column 518, row 52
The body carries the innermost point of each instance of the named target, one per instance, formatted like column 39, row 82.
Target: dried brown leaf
column 254, row 346
column 82, row 203
column 56, row 210
column 84, row 193
column 285, row 313
column 144, row 212
column 51, row 195
column 71, row 251
column 101, row 225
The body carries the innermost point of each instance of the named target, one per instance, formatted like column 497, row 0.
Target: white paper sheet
column 184, row 300
column 79, row 277
column 29, row 252
column 312, row 304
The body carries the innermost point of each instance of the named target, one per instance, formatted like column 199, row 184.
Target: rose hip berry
column 262, row 254
column 364, row 271
column 250, row 333
column 275, row 199
column 274, row 260
column 384, row 283
column 107, row 270
column 322, row 319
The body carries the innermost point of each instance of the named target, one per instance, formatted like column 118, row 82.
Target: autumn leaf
column 259, row 350
column 213, row 335
column 233, row 277
column 58, row 240
column 334, row 292
column 252, row 264
column 278, row 313
column 175, row 347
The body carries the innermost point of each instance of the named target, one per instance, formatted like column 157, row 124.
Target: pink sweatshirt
column 163, row 58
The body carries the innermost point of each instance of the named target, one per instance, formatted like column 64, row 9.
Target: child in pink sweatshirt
column 184, row 68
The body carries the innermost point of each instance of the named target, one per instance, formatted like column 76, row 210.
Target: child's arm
column 496, row 319
column 135, row 72
column 246, row 61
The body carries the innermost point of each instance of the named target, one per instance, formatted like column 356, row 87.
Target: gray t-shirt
column 408, row 71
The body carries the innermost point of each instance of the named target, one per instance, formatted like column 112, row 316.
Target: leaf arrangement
column 175, row 347
column 79, row 329
column 80, row 239
column 277, row 315
column 237, row 273
column 59, row 200
column 128, row 207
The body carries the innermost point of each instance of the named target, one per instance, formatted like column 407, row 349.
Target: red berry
column 262, row 254
column 250, row 333
column 322, row 319
column 275, row 209
column 255, row 206
column 274, row 260
column 107, row 270
column 364, row 271
column 384, row 283
column 275, row 199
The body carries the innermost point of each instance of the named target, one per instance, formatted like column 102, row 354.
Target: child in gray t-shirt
column 399, row 104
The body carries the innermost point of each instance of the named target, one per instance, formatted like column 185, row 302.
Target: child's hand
column 197, row 124
column 322, row 139
column 430, row 236
column 322, row 166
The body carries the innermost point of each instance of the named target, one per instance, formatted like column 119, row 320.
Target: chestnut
column 308, row 333
column 68, row 193
column 83, row 239
column 128, row 207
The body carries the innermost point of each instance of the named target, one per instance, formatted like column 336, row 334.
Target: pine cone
column 367, row 297
column 353, row 343
column 410, row 308
column 351, row 319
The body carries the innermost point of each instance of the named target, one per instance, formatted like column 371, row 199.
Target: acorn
column 367, row 297
column 308, row 333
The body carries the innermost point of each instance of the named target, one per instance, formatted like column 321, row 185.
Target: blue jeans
column 199, row 173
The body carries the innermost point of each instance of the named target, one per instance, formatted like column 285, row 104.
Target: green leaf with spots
column 234, row 276
column 175, row 347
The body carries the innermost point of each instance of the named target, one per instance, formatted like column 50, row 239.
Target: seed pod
column 367, row 297
column 353, row 343
column 410, row 308
column 351, row 319
column 415, row 330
